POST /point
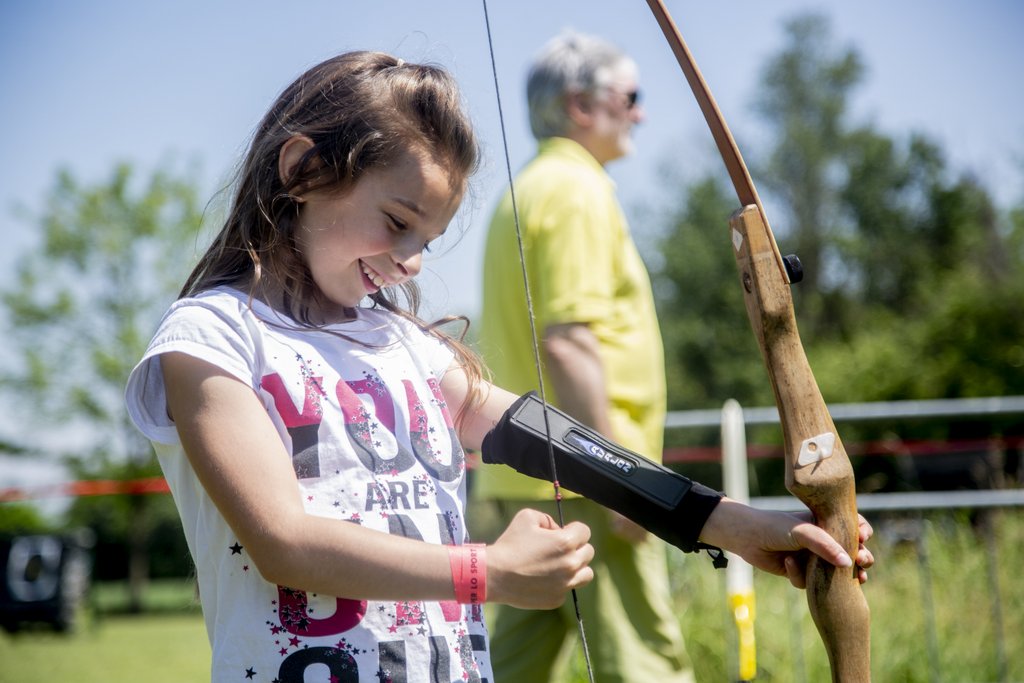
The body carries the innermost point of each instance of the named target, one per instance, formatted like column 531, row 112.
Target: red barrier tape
column 687, row 454
column 89, row 487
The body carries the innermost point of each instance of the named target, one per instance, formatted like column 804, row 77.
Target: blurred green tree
column 804, row 102
column 80, row 310
column 710, row 353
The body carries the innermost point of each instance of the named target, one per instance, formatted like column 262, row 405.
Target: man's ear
column 579, row 108
column 291, row 154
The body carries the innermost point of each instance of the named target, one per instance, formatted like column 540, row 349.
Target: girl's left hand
column 796, row 564
column 778, row 542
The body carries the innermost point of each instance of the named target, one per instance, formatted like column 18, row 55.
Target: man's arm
column 577, row 372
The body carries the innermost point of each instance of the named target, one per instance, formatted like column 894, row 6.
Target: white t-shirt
column 371, row 442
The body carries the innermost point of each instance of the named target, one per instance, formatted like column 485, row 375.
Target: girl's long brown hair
column 362, row 110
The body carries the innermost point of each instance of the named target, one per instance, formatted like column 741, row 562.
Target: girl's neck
column 311, row 313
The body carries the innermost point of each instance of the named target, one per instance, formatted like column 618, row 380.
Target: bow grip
column 818, row 470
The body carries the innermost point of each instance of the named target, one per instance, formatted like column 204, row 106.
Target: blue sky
column 89, row 84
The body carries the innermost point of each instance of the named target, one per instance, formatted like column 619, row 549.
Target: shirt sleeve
column 572, row 256
column 215, row 334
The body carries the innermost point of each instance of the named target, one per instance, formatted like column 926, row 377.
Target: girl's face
column 374, row 235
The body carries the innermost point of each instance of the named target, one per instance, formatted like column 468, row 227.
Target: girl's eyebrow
column 409, row 204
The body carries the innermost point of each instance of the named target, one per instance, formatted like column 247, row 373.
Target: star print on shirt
column 235, row 549
column 250, row 673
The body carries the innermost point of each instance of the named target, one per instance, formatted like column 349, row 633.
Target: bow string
column 534, row 337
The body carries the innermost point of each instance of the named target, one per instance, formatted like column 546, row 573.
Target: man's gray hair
column 569, row 63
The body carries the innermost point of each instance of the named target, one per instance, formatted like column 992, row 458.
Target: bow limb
column 734, row 164
column 818, row 470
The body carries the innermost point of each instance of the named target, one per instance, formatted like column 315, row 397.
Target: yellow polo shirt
column 583, row 267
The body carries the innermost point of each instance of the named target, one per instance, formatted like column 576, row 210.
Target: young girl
column 312, row 429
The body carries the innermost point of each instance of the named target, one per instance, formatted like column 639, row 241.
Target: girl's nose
column 409, row 265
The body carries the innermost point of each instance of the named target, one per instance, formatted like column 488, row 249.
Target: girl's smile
column 375, row 279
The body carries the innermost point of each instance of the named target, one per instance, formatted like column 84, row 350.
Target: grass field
column 933, row 619
column 934, row 595
column 165, row 644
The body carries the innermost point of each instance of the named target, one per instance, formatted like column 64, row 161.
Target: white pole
column 739, row 576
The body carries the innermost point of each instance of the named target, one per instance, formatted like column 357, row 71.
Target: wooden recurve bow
column 818, row 470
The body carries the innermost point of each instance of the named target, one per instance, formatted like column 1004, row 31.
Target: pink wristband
column 469, row 572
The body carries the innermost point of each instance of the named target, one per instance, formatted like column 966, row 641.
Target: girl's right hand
column 535, row 563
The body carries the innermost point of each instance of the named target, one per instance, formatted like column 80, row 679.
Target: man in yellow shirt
column 602, row 357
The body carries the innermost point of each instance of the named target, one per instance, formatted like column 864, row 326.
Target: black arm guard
column 665, row 503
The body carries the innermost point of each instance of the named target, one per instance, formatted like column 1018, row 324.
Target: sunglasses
column 632, row 97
